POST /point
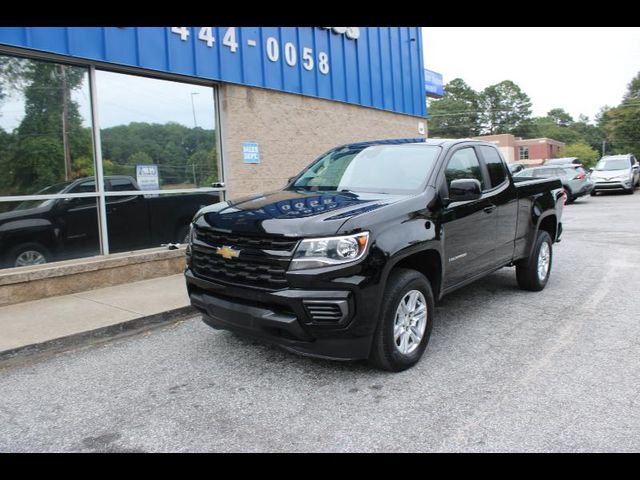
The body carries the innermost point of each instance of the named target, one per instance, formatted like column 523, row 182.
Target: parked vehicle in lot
column 574, row 178
column 616, row 172
column 38, row 231
column 563, row 161
column 347, row 261
column 516, row 167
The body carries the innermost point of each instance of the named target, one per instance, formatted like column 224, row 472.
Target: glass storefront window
column 155, row 135
column 45, row 125
column 33, row 232
column 159, row 123
column 145, row 221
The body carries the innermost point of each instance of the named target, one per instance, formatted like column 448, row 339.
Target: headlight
column 320, row 252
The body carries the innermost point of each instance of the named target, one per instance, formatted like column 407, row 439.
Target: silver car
column 575, row 181
column 616, row 172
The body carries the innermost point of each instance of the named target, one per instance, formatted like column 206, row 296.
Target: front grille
column 252, row 272
column 321, row 311
column 246, row 241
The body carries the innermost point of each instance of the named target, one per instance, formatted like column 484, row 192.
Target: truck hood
column 292, row 213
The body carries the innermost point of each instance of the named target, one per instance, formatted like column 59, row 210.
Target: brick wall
column 292, row 131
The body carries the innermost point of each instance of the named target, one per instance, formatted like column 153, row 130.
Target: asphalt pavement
column 505, row 370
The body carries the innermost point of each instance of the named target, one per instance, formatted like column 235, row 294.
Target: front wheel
column 406, row 321
column 533, row 272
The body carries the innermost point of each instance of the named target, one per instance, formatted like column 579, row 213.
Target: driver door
column 469, row 227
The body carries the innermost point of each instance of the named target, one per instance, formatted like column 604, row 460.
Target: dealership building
column 92, row 116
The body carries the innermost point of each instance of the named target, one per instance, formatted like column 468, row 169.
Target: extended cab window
column 464, row 164
column 495, row 165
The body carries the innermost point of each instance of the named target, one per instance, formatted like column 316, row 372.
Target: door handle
column 489, row 209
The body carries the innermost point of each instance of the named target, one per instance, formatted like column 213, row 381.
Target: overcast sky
column 579, row 69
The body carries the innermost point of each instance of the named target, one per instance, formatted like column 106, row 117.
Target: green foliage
column 82, row 167
column 505, row 107
column 457, row 113
column 587, row 155
column 36, row 164
column 622, row 123
column 203, row 168
column 170, row 146
column 140, row 158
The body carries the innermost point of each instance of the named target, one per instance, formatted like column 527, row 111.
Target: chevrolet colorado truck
column 348, row 260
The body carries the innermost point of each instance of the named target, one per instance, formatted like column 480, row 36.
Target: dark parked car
column 348, row 260
column 38, row 231
column 575, row 179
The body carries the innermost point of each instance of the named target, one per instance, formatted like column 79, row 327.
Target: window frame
column 505, row 169
column 521, row 149
column 483, row 168
column 101, row 194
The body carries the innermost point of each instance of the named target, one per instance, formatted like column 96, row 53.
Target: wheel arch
column 426, row 259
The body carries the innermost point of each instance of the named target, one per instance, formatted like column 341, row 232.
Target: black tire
column 631, row 191
column 527, row 269
column 17, row 251
column 593, row 193
column 570, row 198
column 385, row 353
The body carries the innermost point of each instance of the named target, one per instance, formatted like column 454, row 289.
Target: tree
column 505, row 108
column 560, row 117
column 457, row 114
column 52, row 124
column 587, row 155
column 203, row 168
column 622, row 123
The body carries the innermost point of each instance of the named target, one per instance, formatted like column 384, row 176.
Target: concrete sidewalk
column 94, row 312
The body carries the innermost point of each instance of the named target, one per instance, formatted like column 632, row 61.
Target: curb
column 92, row 337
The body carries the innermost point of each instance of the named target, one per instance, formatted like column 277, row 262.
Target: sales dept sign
column 250, row 152
column 147, row 177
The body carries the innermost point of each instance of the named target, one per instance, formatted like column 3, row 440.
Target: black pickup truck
column 347, row 261
column 38, row 231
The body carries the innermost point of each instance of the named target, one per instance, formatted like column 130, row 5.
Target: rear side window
column 121, row 185
column 464, row 164
column 495, row 165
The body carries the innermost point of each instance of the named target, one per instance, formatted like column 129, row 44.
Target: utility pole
column 65, row 126
column 193, row 109
column 603, row 144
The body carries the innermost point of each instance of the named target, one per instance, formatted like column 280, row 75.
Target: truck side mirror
column 464, row 190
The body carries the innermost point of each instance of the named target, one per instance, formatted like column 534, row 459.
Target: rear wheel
column 593, row 193
column 533, row 272
column 28, row 254
column 406, row 321
column 568, row 196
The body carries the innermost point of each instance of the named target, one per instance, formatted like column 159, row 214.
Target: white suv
column 616, row 172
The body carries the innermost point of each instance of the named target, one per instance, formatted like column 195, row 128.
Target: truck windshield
column 376, row 169
column 50, row 190
column 618, row 164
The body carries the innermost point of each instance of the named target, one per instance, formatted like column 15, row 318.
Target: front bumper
column 615, row 185
column 283, row 317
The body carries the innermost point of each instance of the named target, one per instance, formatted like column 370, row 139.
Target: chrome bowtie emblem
column 227, row 252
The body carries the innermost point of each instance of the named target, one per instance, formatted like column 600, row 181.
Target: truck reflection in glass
column 39, row 231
